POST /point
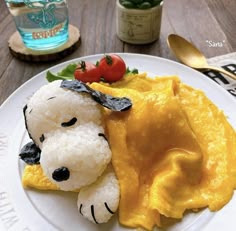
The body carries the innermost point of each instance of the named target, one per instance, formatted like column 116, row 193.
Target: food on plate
column 105, row 202
column 110, row 68
column 87, row 72
column 66, row 126
column 172, row 151
column 113, row 68
column 34, row 177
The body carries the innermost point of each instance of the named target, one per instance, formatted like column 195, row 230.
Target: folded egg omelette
column 173, row 151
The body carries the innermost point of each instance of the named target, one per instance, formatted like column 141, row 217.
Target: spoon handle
column 233, row 76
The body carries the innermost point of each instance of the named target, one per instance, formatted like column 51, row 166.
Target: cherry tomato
column 112, row 67
column 87, row 72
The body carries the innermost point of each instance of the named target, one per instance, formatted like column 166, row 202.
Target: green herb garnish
column 66, row 74
column 133, row 71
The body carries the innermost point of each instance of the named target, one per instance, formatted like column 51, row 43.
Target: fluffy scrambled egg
column 33, row 177
column 173, row 151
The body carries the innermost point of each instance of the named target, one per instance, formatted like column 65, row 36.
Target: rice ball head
column 99, row 201
column 82, row 150
column 51, row 106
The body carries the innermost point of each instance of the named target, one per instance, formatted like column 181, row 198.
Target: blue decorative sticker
column 44, row 16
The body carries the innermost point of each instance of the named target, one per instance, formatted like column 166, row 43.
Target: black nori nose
column 61, row 174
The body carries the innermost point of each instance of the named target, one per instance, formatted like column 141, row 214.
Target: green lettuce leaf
column 66, row 74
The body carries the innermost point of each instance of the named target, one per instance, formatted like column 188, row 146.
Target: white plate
column 24, row 210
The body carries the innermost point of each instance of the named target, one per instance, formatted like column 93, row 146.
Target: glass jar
column 138, row 26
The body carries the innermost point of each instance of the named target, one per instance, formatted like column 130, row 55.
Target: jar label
column 47, row 33
column 142, row 26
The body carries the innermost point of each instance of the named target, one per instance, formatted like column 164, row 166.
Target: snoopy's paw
column 99, row 201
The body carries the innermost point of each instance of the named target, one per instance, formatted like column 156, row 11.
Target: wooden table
column 198, row 21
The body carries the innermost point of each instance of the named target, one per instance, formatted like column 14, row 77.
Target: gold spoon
column 188, row 54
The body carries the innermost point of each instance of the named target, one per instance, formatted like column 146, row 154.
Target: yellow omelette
column 173, row 151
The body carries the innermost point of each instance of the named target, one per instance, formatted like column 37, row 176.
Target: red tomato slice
column 87, row 72
column 112, row 67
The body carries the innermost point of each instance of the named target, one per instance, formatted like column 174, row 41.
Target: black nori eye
column 101, row 134
column 108, row 101
column 51, row 97
column 42, row 138
column 69, row 123
column 30, row 153
column 61, row 174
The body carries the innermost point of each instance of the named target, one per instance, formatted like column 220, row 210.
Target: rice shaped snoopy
column 64, row 120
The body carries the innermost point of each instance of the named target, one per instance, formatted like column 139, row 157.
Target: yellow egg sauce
column 173, row 151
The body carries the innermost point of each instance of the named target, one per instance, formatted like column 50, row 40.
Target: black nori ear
column 30, row 153
column 108, row 101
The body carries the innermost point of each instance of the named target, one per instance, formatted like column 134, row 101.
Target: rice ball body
column 81, row 150
column 52, row 106
column 99, row 201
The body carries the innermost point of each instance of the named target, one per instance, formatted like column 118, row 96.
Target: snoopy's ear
column 30, row 153
column 108, row 101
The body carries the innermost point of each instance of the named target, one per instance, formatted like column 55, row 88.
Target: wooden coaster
column 18, row 49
